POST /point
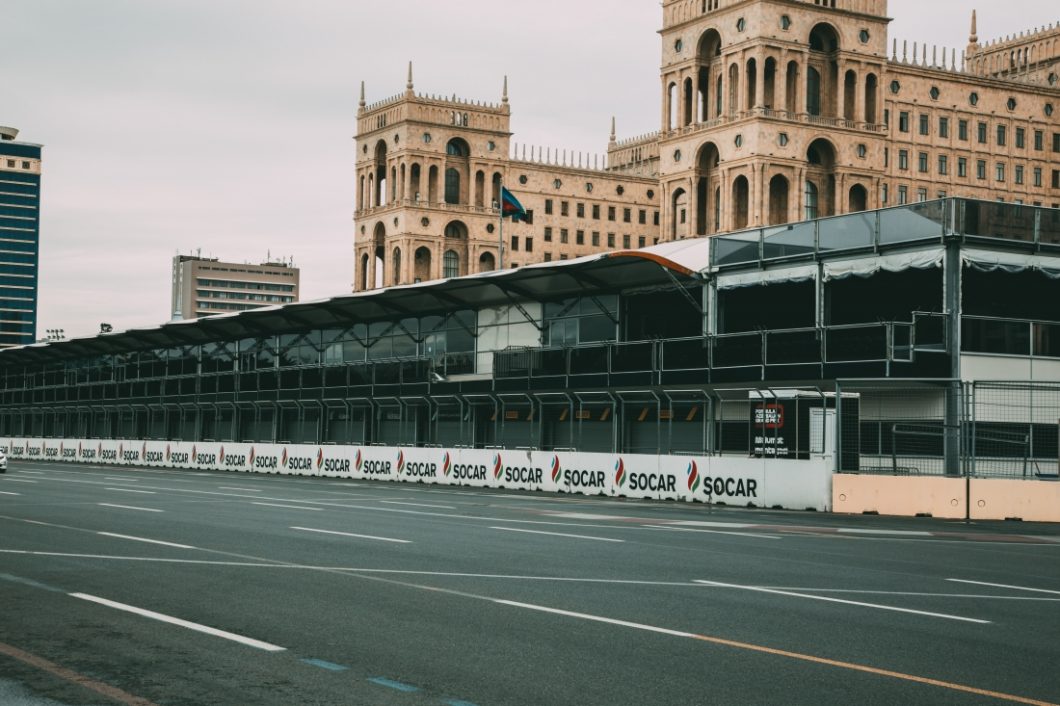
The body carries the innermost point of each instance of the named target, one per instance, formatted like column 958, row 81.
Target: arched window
column 486, row 262
column 456, row 229
column 778, row 200
column 824, row 38
column 859, row 198
column 741, row 193
column 813, row 91
column 452, row 186
column 671, row 107
column 450, row 264
column 811, row 200
column 395, row 262
column 457, row 147
column 421, row 262
column 364, row 271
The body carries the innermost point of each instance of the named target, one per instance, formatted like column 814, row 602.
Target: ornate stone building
column 772, row 111
column 429, row 175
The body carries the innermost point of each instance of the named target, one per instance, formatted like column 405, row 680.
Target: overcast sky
column 226, row 125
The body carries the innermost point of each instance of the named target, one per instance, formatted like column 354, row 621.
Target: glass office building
column 20, row 172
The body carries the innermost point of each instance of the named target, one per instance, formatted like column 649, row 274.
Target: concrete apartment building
column 772, row 112
column 207, row 286
column 20, row 172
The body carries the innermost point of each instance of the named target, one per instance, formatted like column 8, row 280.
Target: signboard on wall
column 769, row 481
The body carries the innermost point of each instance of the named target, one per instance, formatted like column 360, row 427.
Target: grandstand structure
column 687, row 347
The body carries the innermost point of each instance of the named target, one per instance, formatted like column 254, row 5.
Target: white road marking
column 792, row 594
column 247, row 490
column 450, row 574
column 718, row 525
column 291, row 507
column 707, row 531
column 143, row 539
column 130, row 507
column 1004, row 585
column 921, row 594
column 33, row 473
column 6, row 493
column 126, row 480
column 19, row 480
column 558, row 534
column 589, row 516
column 594, row 618
column 250, row 642
column 130, row 490
column 398, row 502
column 897, row 533
column 349, row 534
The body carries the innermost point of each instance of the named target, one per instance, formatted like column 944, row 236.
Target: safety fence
column 946, row 427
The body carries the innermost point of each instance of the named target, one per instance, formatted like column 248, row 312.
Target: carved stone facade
column 772, row 111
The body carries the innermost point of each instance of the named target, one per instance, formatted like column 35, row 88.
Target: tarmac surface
column 135, row 586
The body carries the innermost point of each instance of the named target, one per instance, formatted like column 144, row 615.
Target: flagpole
column 500, row 229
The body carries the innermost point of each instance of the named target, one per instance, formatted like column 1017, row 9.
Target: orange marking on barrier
column 111, row 692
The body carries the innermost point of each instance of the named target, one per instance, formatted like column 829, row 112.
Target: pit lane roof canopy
column 658, row 265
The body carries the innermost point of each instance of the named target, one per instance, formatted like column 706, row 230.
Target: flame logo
column 121, row 451
column 168, row 453
column 320, row 458
column 221, row 455
column 620, row 473
column 252, row 456
column 358, row 461
column 99, row 451
column 400, row 462
column 497, row 466
column 555, row 469
column 283, row 457
column 447, row 465
column 693, row 476
column 194, row 455
column 143, row 451
column 79, row 449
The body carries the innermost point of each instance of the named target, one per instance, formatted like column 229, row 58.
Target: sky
column 226, row 126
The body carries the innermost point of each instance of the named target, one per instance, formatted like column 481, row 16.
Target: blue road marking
column 382, row 681
column 330, row 666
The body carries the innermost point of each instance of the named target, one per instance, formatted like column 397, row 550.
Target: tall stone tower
column 426, row 166
column 772, row 111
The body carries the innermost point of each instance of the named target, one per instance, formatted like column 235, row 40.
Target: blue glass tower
column 20, row 170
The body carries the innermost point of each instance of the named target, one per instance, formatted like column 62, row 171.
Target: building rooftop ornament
column 504, row 98
column 362, row 103
column 409, row 85
column 973, row 37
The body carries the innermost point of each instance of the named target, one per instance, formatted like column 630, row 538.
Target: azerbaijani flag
column 510, row 207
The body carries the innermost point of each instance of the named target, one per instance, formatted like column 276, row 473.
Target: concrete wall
column 796, row 485
column 991, row 498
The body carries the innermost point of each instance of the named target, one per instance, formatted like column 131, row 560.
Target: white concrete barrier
column 760, row 482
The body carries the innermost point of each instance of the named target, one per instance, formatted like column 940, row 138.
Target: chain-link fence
column 945, row 427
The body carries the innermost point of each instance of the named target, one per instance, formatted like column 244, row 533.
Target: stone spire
column 504, row 97
column 973, row 37
column 362, row 103
column 614, row 140
column 409, row 85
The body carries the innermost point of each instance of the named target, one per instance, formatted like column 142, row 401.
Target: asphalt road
column 121, row 586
